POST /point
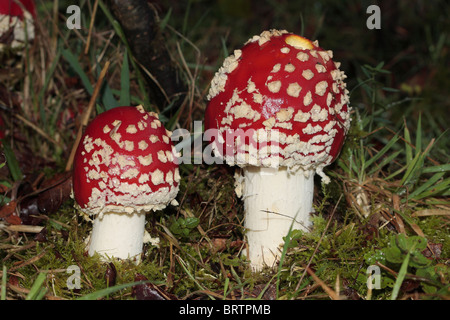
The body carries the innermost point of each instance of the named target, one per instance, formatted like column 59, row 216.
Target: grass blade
column 165, row 20
column 108, row 99
column 419, row 135
column 75, row 65
column 104, row 292
column 400, row 277
column 381, row 152
column 434, row 169
column 430, row 190
column 344, row 167
column 48, row 77
column 384, row 162
column 408, row 148
column 125, row 99
column 426, row 186
column 415, row 168
column 12, row 162
column 37, row 292
column 3, row 291
column 407, row 177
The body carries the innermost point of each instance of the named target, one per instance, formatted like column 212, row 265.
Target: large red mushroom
column 124, row 167
column 280, row 109
column 16, row 23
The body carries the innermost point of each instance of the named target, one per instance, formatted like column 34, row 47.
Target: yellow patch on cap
column 299, row 42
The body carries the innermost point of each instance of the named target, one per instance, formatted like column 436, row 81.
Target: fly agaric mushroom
column 124, row 167
column 280, row 109
column 16, row 22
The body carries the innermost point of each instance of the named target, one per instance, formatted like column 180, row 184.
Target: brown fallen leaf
column 110, row 274
column 8, row 209
column 433, row 250
column 13, row 219
column 29, row 212
column 41, row 236
column 148, row 291
column 57, row 191
column 409, row 285
column 7, row 213
column 268, row 292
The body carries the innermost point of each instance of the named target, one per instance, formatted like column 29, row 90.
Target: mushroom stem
column 118, row 235
column 275, row 201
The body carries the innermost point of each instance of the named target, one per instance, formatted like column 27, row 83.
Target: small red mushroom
column 280, row 108
column 124, row 167
column 16, row 22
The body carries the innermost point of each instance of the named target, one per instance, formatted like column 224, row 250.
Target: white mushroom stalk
column 276, row 202
column 118, row 235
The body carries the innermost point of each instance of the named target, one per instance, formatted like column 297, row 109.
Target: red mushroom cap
column 285, row 84
column 12, row 25
column 13, row 9
column 125, row 163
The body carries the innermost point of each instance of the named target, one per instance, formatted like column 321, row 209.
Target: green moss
column 436, row 232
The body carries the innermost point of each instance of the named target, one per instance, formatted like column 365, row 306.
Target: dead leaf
column 7, row 213
column 58, row 190
column 431, row 212
column 13, row 219
column 110, row 274
column 270, row 292
column 8, row 209
column 433, row 250
column 409, row 285
column 148, row 291
column 41, row 236
column 29, row 211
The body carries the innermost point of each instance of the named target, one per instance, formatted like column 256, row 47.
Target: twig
column 54, row 38
column 37, row 129
column 25, row 228
column 333, row 295
column 25, row 292
column 16, row 248
column 191, row 90
column 407, row 275
column 154, row 79
column 91, row 26
column 30, row 261
column 87, row 115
